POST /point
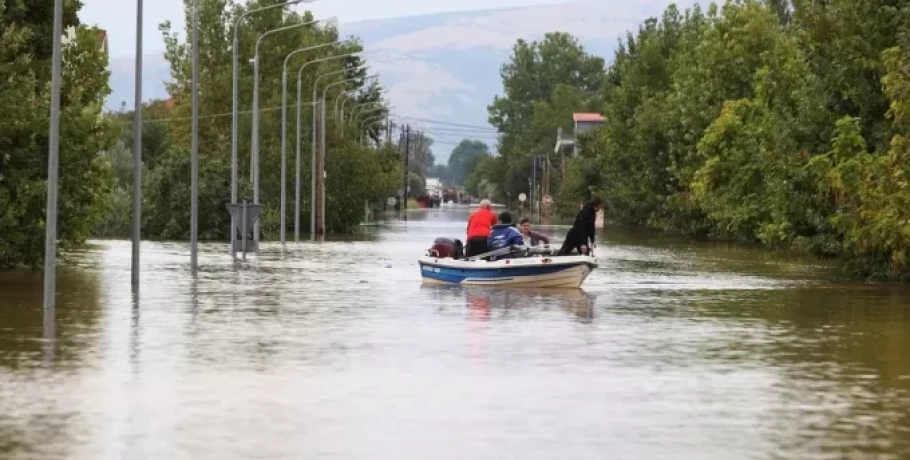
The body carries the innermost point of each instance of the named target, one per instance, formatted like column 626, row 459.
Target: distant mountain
column 445, row 67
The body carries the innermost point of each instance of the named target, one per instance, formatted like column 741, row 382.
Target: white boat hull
column 531, row 272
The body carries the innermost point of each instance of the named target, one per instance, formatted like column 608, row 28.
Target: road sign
column 392, row 201
column 522, row 197
column 547, row 200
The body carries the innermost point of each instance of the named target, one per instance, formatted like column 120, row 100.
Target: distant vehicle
column 434, row 192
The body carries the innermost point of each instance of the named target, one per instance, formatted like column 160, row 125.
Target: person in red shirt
column 479, row 226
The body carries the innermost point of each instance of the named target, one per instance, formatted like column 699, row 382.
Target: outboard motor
column 446, row 247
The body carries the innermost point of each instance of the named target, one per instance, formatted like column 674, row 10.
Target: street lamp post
column 137, row 151
column 346, row 95
column 235, row 112
column 316, row 165
column 284, row 129
column 299, row 131
column 254, row 154
column 320, row 229
column 53, row 158
column 369, row 122
column 376, row 109
column 194, row 148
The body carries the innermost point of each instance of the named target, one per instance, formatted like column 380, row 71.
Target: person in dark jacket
column 504, row 234
column 582, row 232
column 531, row 238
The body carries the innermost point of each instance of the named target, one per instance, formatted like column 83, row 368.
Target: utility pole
column 533, row 184
column 388, row 130
column 418, row 154
column 404, row 179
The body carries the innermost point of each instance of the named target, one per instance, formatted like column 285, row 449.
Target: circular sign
column 547, row 199
column 522, row 197
column 392, row 201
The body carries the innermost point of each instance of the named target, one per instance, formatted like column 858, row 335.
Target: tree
column 544, row 82
column 464, row 158
column 168, row 183
column 85, row 176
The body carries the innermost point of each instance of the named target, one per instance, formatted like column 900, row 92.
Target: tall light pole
column 320, row 227
column 284, row 129
column 368, row 104
column 369, row 122
column 235, row 112
column 299, row 131
column 194, row 148
column 313, row 199
column 53, row 159
column 137, row 151
column 346, row 95
column 254, row 154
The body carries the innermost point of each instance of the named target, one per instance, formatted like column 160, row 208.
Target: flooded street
column 672, row 350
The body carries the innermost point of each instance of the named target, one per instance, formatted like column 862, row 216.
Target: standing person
column 532, row 238
column 582, row 232
column 480, row 224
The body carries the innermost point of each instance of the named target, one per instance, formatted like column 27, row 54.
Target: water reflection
column 64, row 335
column 503, row 303
column 335, row 350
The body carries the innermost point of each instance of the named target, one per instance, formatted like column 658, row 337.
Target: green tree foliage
column 755, row 120
column 464, row 159
column 85, row 175
column 544, row 82
column 166, row 136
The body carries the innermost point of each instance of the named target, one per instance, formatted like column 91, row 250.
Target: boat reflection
column 501, row 302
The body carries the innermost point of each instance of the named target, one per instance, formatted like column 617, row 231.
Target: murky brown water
column 673, row 350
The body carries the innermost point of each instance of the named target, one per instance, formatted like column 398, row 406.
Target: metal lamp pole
column 254, row 154
column 53, row 161
column 315, row 166
column 345, row 95
column 235, row 111
column 369, row 122
column 137, row 152
column 376, row 109
column 194, row 148
column 320, row 228
column 313, row 200
column 284, row 129
column 299, row 133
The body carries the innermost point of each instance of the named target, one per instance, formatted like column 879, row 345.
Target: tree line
column 95, row 152
column 779, row 122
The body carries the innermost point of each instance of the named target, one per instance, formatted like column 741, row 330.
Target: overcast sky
column 118, row 16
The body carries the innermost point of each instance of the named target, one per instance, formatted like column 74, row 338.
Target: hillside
column 446, row 66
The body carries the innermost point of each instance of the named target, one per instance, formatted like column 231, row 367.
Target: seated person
column 504, row 234
column 532, row 238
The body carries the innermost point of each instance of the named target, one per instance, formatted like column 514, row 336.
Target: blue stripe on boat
column 457, row 275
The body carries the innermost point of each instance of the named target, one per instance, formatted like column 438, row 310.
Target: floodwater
column 672, row 350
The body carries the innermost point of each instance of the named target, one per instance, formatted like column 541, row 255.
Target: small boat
column 536, row 267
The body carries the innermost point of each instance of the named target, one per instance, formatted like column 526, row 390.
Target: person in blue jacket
column 504, row 234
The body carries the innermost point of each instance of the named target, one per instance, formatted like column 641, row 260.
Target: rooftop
column 593, row 117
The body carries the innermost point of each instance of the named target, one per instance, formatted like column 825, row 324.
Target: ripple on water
column 335, row 350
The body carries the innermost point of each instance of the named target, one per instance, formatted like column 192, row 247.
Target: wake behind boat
column 537, row 267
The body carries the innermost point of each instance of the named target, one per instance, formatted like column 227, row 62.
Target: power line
column 439, row 122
